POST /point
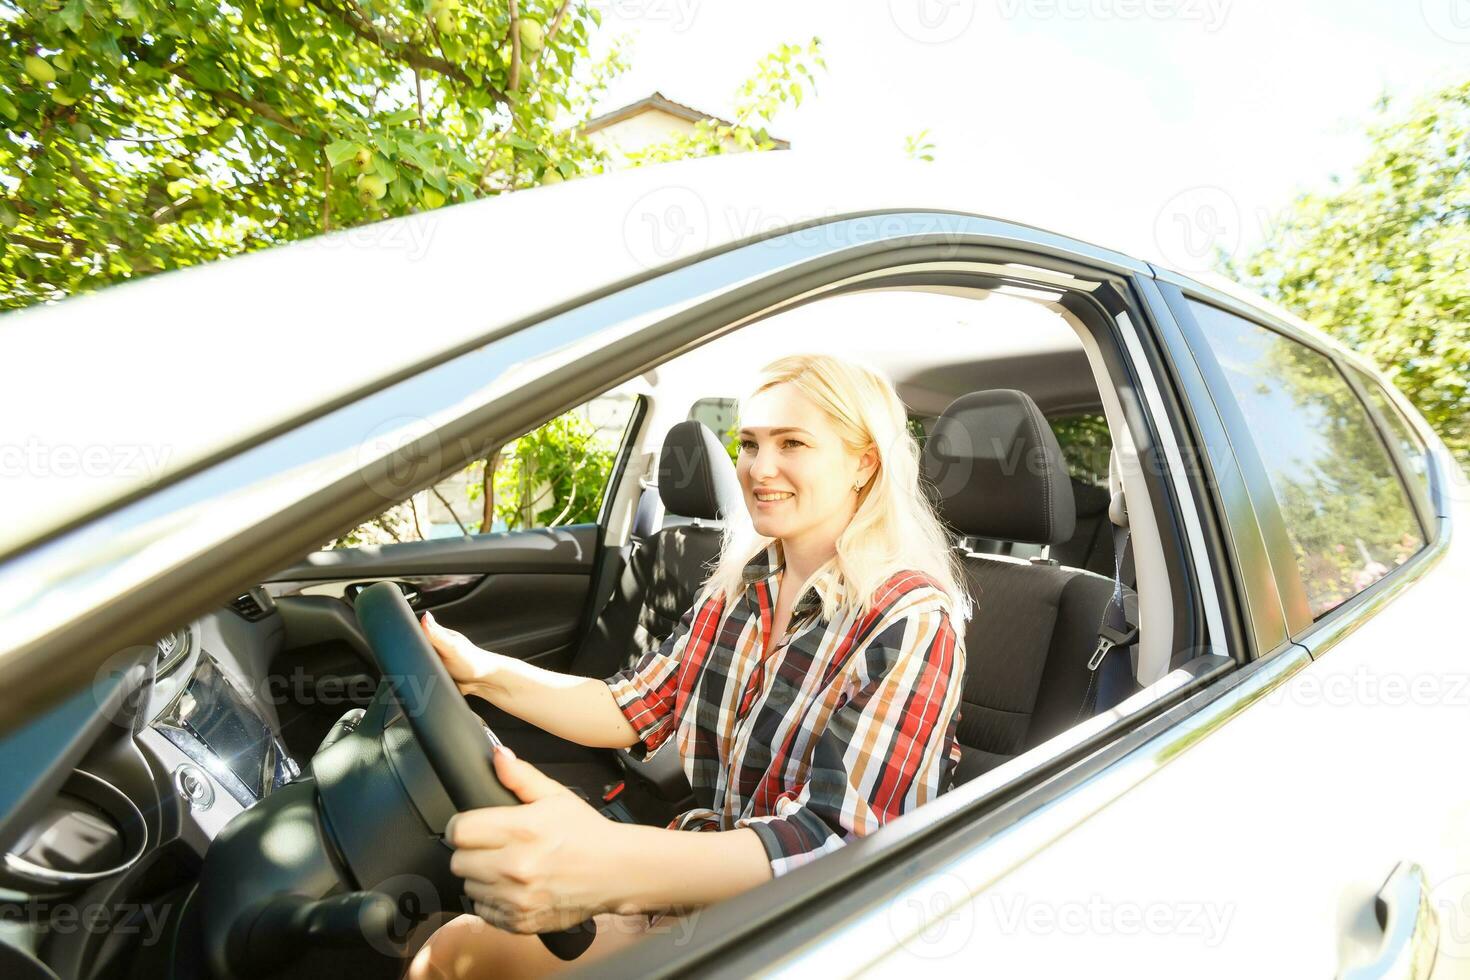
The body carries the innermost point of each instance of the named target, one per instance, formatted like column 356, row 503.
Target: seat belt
column 1111, row 680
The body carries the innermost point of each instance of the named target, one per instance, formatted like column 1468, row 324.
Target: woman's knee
column 463, row 947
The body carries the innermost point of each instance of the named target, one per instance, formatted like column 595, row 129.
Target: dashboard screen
column 218, row 726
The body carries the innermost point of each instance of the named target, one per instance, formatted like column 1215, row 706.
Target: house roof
column 657, row 101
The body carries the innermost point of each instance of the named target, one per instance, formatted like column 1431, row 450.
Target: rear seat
column 997, row 472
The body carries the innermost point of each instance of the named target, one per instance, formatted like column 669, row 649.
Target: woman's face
column 789, row 447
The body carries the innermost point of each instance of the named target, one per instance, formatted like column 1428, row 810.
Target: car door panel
column 1259, row 850
column 520, row 593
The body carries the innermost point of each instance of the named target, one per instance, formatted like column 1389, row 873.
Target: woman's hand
column 469, row 666
column 545, row 865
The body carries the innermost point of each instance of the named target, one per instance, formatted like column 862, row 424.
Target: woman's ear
column 868, row 465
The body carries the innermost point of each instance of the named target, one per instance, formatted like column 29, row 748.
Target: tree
column 143, row 137
column 1383, row 261
column 780, row 78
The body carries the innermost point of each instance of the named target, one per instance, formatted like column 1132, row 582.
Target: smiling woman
column 811, row 691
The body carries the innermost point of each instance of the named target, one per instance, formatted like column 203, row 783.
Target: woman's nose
column 763, row 466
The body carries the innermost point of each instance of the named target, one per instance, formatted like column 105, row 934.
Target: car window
column 1346, row 511
column 720, row 416
column 1086, row 445
column 552, row 476
column 1415, row 453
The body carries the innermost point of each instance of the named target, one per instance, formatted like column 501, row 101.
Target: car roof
column 137, row 382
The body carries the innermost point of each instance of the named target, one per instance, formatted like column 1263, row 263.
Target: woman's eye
column 750, row 444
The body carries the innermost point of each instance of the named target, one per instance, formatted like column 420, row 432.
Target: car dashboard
column 111, row 800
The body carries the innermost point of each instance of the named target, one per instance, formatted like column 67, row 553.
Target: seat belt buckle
column 1107, row 638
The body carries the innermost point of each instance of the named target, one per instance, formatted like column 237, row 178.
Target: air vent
column 173, row 650
column 249, row 607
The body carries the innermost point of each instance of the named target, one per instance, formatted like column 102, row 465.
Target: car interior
column 1024, row 451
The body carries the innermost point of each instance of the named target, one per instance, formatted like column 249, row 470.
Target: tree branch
column 556, row 20
column 352, row 16
column 326, row 194
column 254, row 105
column 514, row 79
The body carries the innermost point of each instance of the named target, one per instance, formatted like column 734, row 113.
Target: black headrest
column 695, row 476
column 997, row 471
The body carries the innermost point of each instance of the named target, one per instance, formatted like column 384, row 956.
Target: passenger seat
column 662, row 569
column 997, row 472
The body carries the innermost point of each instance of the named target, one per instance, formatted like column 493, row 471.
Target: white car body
column 1247, row 833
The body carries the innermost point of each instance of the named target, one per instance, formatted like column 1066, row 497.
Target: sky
column 1178, row 124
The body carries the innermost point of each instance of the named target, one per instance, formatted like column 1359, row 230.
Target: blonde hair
column 895, row 527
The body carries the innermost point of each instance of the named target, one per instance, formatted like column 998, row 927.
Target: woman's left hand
column 545, row 865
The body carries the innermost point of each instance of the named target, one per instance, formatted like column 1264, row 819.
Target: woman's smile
column 767, row 499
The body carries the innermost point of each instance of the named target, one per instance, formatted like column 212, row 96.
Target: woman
column 811, row 691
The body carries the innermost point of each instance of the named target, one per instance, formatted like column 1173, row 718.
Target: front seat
column 661, row 572
column 996, row 471
column 663, row 568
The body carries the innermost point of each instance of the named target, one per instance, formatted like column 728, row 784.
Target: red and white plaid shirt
column 847, row 725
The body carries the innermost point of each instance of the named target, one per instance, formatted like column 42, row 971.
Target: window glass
column 1086, row 445
column 1346, row 512
column 552, row 476
column 1399, row 429
column 719, row 416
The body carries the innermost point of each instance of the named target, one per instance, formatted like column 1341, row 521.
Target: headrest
column 997, row 470
column 695, row 476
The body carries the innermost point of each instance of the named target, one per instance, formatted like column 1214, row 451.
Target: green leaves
column 147, row 137
column 1382, row 261
column 776, row 82
column 341, row 151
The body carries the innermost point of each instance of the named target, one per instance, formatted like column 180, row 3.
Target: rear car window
column 1086, row 445
column 1346, row 511
column 1415, row 453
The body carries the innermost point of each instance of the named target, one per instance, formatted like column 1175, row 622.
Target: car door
column 1276, row 821
column 1317, row 827
column 510, row 560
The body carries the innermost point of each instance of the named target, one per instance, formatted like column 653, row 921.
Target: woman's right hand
column 469, row 666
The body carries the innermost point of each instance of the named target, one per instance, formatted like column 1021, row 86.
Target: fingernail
column 502, row 747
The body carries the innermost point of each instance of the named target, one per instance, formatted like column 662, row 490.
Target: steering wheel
column 451, row 735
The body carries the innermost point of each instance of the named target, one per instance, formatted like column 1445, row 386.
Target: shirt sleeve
column 648, row 691
column 889, row 746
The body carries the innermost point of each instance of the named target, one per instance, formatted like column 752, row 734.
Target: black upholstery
column 1035, row 623
column 996, row 465
column 1091, row 545
column 664, row 567
column 661, row 572
column 695, row 478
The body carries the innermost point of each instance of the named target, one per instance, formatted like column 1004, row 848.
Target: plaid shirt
column 847, row 725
